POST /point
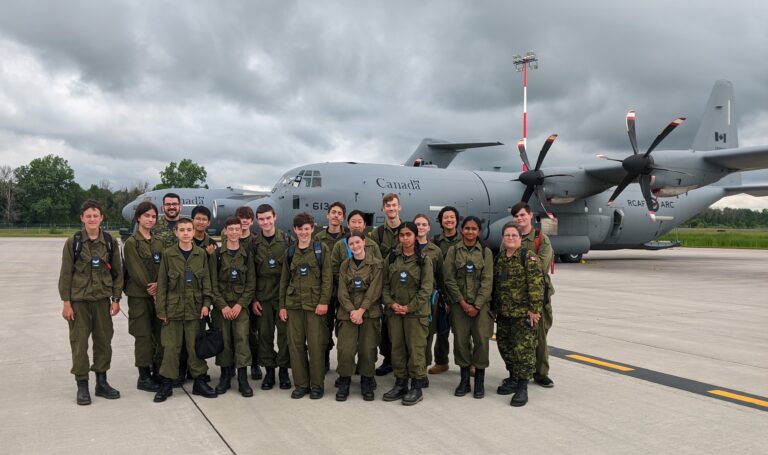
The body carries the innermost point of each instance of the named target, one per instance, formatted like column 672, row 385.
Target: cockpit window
column 308, row 179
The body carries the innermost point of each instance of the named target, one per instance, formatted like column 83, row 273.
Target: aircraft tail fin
column 440, row 153
column 718, row 124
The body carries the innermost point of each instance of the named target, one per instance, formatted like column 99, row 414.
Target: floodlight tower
column 522, row 63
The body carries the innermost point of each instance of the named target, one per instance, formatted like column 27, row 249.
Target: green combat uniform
column 163, row 232
column 433, row 252
column 360, row 286
column 546, row 256
column 88, row 282
column 183, row 288
column 142, row 261
column 442, row 347
column 268, row 258
column 235, row 285
column 304, row 284
column 518, row 288
column 408, row 281
column 323, row 236
column 468, row 276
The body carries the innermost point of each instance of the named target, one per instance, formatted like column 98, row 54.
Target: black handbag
column 209, row 342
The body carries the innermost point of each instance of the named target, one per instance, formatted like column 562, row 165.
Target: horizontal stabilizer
column 739, row 159
column 757, row 190
column 439, row 153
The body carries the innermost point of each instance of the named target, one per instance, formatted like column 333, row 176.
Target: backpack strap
column 346, row 244
column 380, row 232
column 318, row 253
column 291, row 252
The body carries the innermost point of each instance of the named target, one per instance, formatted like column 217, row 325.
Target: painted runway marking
column 688, row 385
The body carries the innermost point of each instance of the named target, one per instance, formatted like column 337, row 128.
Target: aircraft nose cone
column 129, row 210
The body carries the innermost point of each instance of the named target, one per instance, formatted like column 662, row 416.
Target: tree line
column 730, row 218
column 45, row 192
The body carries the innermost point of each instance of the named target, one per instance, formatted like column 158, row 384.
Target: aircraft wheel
column 570, row 258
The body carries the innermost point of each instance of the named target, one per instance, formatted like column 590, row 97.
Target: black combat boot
column 166, row 390
column 285, row 378
column 242, row 382
column 83, row 395
column 103, row 389
column 414, row 395
column 269, row 379
column 521, row 396
column 299, row 392
column 479, row 391
column 508, row 386
column 156, row 373
column 225, row 381
column 543, row 381
column 316, row 392
column 202, row 388
column 463, row 388
column 343, row 392
column 255, row 371
column 398, row 391
column 366, row 387
column 181, row 378
column 145, row 381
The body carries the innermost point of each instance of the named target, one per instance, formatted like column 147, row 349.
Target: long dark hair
column 143, row 208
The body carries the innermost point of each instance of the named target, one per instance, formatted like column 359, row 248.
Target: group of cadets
column 278, row 300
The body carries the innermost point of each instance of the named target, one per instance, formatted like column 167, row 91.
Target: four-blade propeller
column 639, row 167
column 534, row 179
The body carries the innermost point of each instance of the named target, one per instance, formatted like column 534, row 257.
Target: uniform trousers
column 408, row 336
column 144, row 326
column 173, row 336
column 237, row 351
column 268, row 322
column 307, row 334
column 91, row 319
column 360, row 340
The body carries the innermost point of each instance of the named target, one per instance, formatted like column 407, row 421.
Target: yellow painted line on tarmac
column 599, row 362
column 736, row 396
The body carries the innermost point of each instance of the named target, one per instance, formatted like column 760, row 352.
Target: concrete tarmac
column 698, row 314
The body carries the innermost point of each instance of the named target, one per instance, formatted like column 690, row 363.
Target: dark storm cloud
column 271, row 85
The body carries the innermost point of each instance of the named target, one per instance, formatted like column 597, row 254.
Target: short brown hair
column 303, row 218
column 91, row 204
column 232, row 220
column 338, row 204
column 389, row 197
column 519, row 206
column 244, row 212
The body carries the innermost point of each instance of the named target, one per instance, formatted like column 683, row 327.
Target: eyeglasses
column 511, row 236
column 171, row 204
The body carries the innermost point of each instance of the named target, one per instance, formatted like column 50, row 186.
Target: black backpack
column 77, row 249
column 317, row 246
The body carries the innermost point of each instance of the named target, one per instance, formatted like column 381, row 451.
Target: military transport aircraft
column 222, row 202
column 584, row 213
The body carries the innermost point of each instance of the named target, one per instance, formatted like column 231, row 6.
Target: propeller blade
column 655, row 168
column 541, row 197
column 523, row 155
column 544, row 150
column 629, row 178
column 527, row 194
column 650, row 203
column 631, row 130
column 674, row 124
column 605, row 157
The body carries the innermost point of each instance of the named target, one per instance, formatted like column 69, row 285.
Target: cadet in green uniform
column 433, row 252
column 164, row 228
column 448, row 217
column 408, row 284
column 329, row 236
column 539, row 243
column 517, row 298
column 246, row 217
column 359, row 317
column 269, row 247
column 184, row 295
column 468, row 277
column 233, row 288
column 91, row 274
column 386, row 236
column 341, row 251
column 142, row 254
column 305, row 289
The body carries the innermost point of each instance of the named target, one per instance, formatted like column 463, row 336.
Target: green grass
column 719, row 238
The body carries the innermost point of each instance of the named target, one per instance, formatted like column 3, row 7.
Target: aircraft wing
column 739, row 159
column 758, row 190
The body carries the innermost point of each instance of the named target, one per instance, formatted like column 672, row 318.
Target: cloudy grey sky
column 250, row 89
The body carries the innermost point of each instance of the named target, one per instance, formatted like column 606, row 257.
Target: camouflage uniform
column 518, row 288
column 546, row 256
column 163, row 232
